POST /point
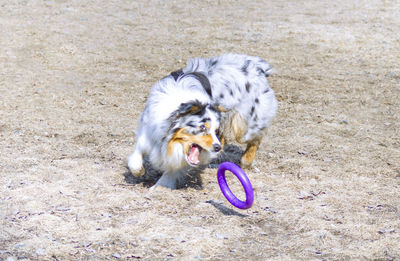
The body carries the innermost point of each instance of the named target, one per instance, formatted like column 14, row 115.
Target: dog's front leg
column 135, row 160
column 168, row 179
column 135, row 163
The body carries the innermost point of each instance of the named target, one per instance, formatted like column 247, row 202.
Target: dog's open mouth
column 193, row 154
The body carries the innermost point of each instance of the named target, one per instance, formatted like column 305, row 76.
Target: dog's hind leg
column 250, row 153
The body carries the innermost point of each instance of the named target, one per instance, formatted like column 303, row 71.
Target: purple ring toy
column 239, row 173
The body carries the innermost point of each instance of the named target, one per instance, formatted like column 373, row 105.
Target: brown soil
column 74, row 77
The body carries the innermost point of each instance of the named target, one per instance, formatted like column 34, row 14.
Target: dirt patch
column 75, row 76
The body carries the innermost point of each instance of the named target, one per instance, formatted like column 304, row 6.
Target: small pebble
column 302, row 152
column 39, row 251
column 132, row 221
column 305, row 195
column 116, row 255
column 220, row 236
column 386, row 230
column 86, row 244
column 105, row 214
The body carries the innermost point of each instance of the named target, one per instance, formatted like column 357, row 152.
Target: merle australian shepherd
column 193, row 112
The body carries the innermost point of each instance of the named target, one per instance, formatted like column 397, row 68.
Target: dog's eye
column 203, row 128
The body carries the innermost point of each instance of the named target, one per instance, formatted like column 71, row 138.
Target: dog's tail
column 264, row 68
column 195, row 65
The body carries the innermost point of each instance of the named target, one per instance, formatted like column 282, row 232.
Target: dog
column 191, row 114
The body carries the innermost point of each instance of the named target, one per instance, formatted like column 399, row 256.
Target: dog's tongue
column 194, row 154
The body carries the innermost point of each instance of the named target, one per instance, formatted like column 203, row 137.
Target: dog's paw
column 157, row 188
column 135, row 165
column 167, row 181
column 137, row 172
column 245, row 164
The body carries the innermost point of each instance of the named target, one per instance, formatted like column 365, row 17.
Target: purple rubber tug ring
column 239, row 173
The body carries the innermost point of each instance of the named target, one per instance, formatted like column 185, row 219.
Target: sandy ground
column 74, row 77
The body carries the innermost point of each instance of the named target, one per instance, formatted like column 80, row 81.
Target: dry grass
column 75, row 75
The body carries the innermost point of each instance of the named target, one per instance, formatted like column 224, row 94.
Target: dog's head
column 193, row 133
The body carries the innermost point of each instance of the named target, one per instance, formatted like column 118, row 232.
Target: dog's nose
column 216, row 147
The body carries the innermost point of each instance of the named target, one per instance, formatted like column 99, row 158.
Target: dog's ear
column 187, row 108
column 218, row 108
column 202, row 78
column 193, row 107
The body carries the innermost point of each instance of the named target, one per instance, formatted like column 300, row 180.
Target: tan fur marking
column 185, row 139
column 176, row 138
column 221, row 109
column 239, row 127
column 194, row 108
column 222, row 140
column 205, row 141
column 250, row 153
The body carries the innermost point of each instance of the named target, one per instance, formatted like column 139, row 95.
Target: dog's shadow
column 231, row 153
column 151, row 175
